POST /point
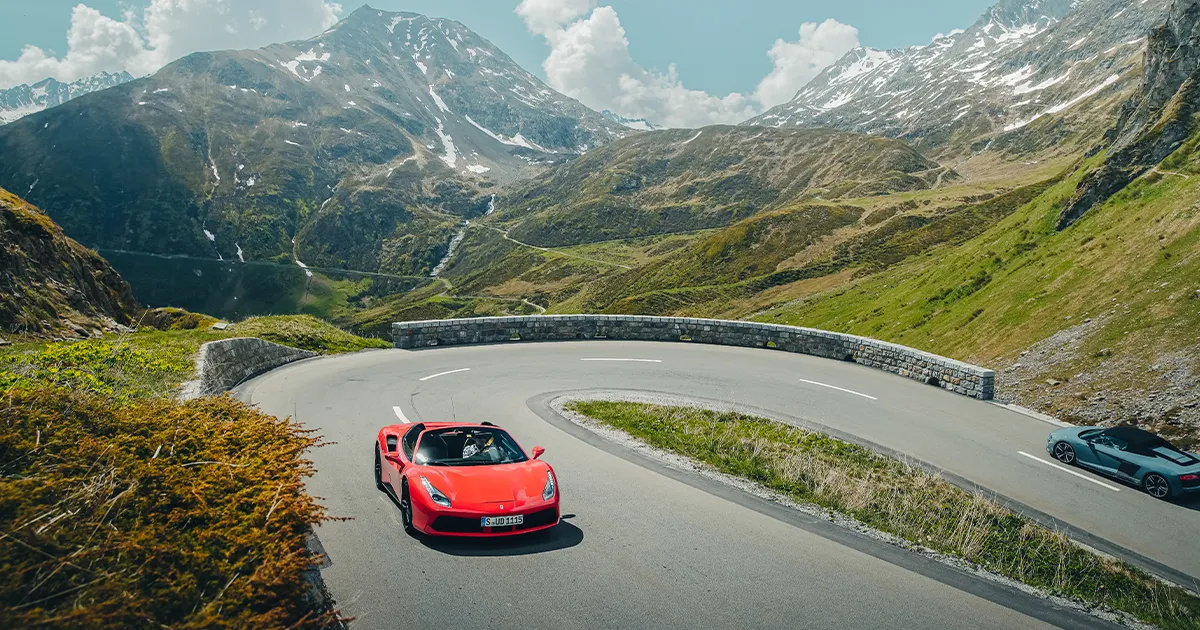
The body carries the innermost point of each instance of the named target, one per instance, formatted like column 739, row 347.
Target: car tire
column 379, row 471
column 1064, row 453
column 406, row 515
column 1156, row 486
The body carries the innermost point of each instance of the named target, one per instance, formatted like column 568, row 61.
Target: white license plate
column 502, row 521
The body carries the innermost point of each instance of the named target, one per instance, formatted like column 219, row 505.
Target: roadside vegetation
column 151, row 362
column 900, row 499
column 123, row 507
column 152, row 513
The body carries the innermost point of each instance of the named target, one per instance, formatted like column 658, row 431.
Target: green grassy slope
column 1120, row 289
column 681, row 180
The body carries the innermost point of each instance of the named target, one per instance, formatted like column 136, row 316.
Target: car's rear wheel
column 1064, row 453
column 379, row 471
column 406, row 514
column 1156, row 486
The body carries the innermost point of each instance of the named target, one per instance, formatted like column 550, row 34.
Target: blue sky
column 719, row 46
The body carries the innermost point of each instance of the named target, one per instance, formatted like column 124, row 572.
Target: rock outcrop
column 51, row 285
column 1158, row 119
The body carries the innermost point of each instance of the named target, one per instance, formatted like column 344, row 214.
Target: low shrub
column 307, row 333
column 152, row 514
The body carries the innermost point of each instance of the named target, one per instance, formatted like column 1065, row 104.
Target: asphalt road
column 649, row 547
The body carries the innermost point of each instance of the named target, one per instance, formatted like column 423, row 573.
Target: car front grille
column 457, row 525
column 539, row 519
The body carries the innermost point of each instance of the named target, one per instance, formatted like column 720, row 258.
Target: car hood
column 490, row 484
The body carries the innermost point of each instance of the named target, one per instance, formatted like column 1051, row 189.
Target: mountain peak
column 23, row 100
column 1021, row 61
column 385, row 130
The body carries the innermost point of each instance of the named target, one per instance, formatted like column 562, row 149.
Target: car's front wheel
column 1156, row 486
column 379, row 471
column 1064, row 453
column 406, row 510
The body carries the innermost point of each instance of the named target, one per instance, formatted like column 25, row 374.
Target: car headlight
column 435, row 494
column 548, row 492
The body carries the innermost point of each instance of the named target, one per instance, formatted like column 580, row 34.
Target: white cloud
column 797, row 63
column 590, row 60
column 166, row 30
column 545, row 16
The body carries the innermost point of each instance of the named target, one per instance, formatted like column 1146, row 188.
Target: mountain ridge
column 1019, row 63
column 361, row 147
column 22, row 100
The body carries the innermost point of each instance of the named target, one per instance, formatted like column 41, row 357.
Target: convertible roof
column 1135, row 436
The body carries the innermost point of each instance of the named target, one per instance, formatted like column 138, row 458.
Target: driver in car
column 476, row 445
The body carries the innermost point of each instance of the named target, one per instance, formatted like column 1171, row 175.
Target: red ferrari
column 455, row 479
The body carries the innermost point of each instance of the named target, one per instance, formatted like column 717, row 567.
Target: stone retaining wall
column 222, row 365
column 956, row 376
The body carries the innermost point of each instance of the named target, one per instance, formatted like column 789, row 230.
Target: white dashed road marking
column 445, row 373
column 627, row 360
column 1069, row 471
column 848, row 391
column 400, row 414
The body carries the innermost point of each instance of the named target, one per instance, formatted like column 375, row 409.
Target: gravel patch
column 1162, row 396
column 679, row 462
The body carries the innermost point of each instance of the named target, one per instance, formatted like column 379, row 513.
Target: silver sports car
column 1131, row 455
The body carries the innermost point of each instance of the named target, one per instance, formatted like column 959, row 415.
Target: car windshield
column 468, row 447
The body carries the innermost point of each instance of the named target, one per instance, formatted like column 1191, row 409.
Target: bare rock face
column 1157, row 120
column 49, row 284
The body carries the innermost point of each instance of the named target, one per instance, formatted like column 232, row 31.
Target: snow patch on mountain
column 451, row 156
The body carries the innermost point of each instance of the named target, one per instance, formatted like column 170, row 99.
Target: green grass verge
column 152, row 514
column 152, row 363
column 899, row 499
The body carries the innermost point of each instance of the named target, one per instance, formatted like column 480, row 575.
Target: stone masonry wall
column 222, row 365
column 955, row 376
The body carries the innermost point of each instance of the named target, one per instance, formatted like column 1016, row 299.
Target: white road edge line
column 848, row 391
column 445, row 373
column 1068, row 470
column 400, row 414
column 627, row 360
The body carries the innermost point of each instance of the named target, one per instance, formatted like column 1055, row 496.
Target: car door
column 402, row 458
column 1113, row 455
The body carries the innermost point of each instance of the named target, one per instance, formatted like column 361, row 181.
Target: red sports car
column 454, row 479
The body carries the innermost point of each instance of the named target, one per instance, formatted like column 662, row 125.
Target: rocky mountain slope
column 637, row 124
column 1030, row 74
column 1158, row 119
column 681, row 180
column 50, row 284
column 362, row 147
column 23, row 100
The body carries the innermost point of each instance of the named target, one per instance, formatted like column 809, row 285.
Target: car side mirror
column 537, row 451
